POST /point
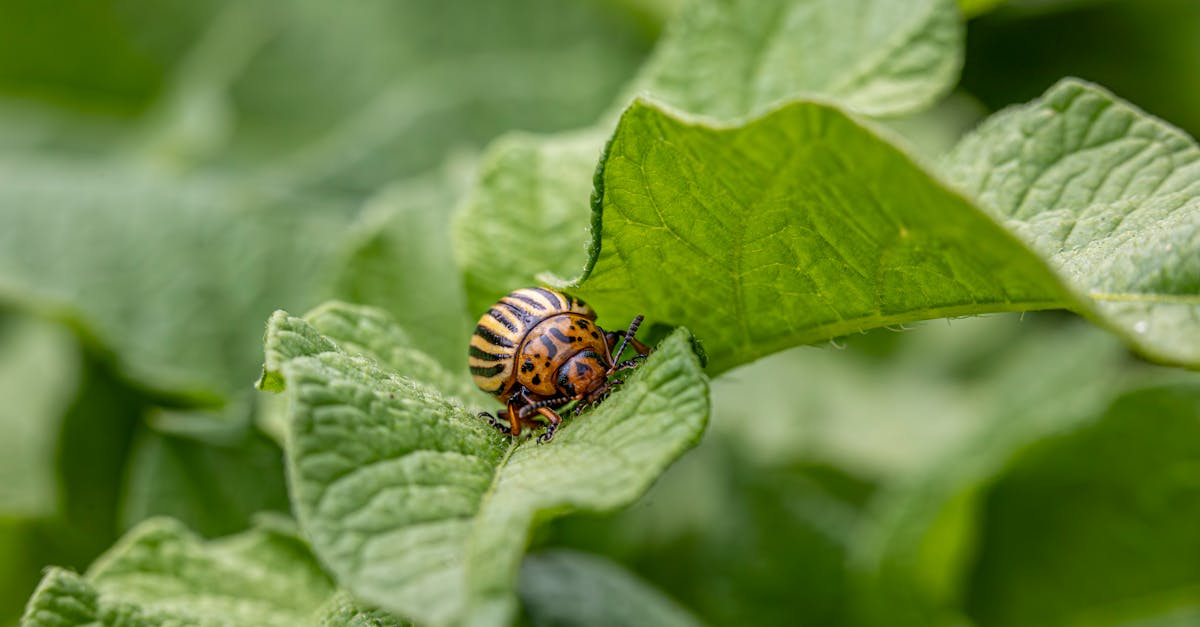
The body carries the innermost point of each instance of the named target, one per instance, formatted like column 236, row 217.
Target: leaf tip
column 270, row 379
column 698, row 348
column 62, row 597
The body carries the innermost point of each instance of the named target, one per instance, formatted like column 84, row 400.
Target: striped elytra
column 539, row 350
column 501, row 354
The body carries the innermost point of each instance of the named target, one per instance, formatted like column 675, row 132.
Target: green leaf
column 62, row 599
column 1117, row 497
column 91, row 450
column 399, row 257
column 527, row 215
column 359, row 330
column 736, row 541
column 733, row 59
column 39, row 366
column 886, row 417
column 797, row 227
column 1110, row 196
column 416, row 504
column 344, row 611
column 169, row 275
column 1062, row 512
column 565, row 588
column 119, row 79
column 974, row 8
column 913, row 560
column 390, row 88
column 214, row 489
column 792, row 245
column 162, row 573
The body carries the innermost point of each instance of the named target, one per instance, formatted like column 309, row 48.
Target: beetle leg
column 554, row 419
column 514, row 419
column 628, row 364
column 497, row 421
column 642, row 349
column 627, row 338
column 519, row 407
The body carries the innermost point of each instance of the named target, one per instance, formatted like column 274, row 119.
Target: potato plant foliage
column 756, row 178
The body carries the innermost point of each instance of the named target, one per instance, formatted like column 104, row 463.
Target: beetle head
column 583, row 372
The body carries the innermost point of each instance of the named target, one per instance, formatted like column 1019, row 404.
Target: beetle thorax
column 582, row 374
column 565, row 345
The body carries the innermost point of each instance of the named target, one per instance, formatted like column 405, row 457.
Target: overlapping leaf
column 161, row 573
column 728, row 60
column 215, row 489
column 1116, row 497
column 166, row 274
column 804, row 225
column 797, row 227
column 388, row 89
column 1110, row 197
column 416, row 504
column 1069, row 477
column 566, row 588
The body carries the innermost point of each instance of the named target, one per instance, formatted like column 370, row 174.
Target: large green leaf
column 419, row 506
column 729, row 59
column 565, row 588
column 797, row 227
column 1118, row 497
column 913, row 558
column 527, row 214
column 161, row 573
column 214, row 489
column 886, row 416
column 1110, row 197
column 804, row 225
column 1068, row 510
column 388, row 87
column 168, row 274
column 398, row 257
column 737, row 542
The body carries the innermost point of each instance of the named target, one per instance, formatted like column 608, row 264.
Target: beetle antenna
column 633, row 327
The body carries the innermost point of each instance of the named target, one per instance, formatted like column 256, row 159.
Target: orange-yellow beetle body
column 538, row 349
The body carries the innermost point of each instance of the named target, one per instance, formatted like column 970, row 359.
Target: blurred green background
column 173, row 171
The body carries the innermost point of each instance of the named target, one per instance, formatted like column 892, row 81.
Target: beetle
column 538, row 349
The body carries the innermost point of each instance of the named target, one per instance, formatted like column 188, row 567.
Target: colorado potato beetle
column 538, row 350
